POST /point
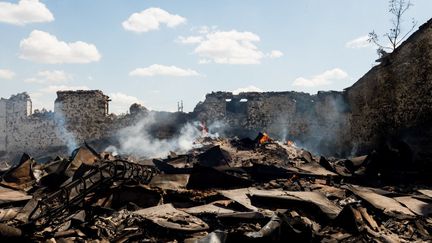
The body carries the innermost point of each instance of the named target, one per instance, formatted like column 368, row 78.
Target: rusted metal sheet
column 316, row 198
column 386, row 204
column 20, row 177
column 169, row 217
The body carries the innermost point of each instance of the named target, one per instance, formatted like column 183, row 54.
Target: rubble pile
column 223, row 190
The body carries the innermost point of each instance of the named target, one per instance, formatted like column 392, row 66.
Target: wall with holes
column 78, row 116
column 317, row 121
column 391, row 104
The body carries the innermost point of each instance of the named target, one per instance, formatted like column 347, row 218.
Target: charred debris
column 223, row 190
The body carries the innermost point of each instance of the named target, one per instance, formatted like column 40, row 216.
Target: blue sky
column 160, row 52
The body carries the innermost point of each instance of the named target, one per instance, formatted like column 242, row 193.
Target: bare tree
column 396, row 35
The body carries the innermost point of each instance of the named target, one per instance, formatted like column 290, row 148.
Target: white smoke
column 112, row 149
column 284, row 134
column 216, row 129
column 137, row 140
column 67, row 136
column 320, row 127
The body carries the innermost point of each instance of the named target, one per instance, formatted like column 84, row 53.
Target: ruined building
column 393, row 101
column 319, row 122
column 390, row 103
column 84, row 113
column 12, row 111
column 78, row 115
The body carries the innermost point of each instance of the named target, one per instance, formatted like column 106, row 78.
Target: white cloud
column 360, row 42
column 161, row 70
column 325, row 78
column 190, row 39
column 249, row 88
column 43, row 47
column 54, row 88
column 24, row 12
column 204, row 61
column 6, row 74
column 151, row 19
column 275, row 54
column 49, row 77
column 230, row 47
column 121, row 102
column 227, row 47
column 204, row 29
column 42, row 100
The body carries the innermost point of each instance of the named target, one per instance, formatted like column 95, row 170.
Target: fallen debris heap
column 220, row 191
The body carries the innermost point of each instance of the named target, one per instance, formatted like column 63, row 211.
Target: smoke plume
column 318, row 127
column 65, row 135
column 137, row 139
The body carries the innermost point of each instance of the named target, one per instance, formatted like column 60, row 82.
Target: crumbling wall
column 13, row 112
column 84, row 113
column 393, row 101
column 78, row 116
column 3, row 128
column 317, row 121
column 389, row 104
column 82, row 104
column 32, row 134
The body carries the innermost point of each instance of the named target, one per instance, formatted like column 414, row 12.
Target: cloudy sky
column 160, row 52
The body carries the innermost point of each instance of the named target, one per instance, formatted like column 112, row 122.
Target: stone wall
column 82, row 105
column 3, row 127
column 78, row 116
column 13, row 112
column 319, row 122
column 389, row 104
column 393, row 101
column 85, row 113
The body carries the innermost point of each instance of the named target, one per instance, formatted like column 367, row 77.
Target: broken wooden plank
column 371, row 221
